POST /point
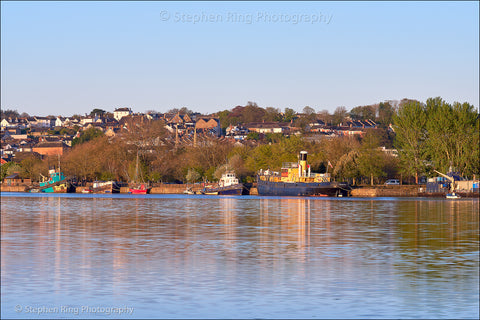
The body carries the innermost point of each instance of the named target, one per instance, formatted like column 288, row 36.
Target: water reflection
column 242, row 256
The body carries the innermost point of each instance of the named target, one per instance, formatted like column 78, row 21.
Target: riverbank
column 360, row 192
column 403, row 191
column 386, row 191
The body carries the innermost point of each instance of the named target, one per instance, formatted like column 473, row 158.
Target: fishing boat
column 296, row 179
column 228, row 185
column 142, row 189
column 56, row 183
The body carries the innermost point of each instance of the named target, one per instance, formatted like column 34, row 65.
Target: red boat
column 139, row 190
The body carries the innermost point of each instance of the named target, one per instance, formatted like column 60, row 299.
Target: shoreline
column 358, row 192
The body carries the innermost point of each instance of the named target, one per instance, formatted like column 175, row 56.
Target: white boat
column 188, row 191
column 228, row 185
column 453, row 196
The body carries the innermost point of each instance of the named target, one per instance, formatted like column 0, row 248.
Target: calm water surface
column 176, row 256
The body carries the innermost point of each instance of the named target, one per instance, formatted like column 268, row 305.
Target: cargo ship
column 296, row 179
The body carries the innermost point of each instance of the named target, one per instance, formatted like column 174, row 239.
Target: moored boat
column 189, row 191
column 142, row 189
column 453, row 195
column 105, row 187
column 228, row 185
column 56, row 183
column 87, row 190
column 296, row 179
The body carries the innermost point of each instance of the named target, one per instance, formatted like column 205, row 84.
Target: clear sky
column 65, row 58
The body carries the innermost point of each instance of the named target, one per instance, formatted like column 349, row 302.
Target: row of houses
column 347, row 128
column 34, row 134
column 40, row 135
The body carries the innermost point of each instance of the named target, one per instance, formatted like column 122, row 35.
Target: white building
column 121, row 112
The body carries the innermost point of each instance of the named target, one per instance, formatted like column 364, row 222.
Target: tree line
column 436, row 135
column 431, row 135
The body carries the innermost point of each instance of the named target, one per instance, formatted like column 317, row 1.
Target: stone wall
column 393, row 191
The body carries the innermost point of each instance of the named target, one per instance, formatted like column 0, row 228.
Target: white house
column 5, row 124
column 121, row 112
column 60, row 121
column 42, row 122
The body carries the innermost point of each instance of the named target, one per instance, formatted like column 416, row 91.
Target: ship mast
column 136, row 170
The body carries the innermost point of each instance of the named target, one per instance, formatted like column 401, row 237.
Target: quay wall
column 361, row 192
column 167, row 188
column 13, row 188
column 383, row 191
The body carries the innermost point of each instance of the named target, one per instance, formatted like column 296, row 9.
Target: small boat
column 453, row 195
column 142, row 189
column 87, row 190
column 188, row 191
column 228, row 185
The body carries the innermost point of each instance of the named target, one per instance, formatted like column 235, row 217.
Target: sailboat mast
column 136, row 170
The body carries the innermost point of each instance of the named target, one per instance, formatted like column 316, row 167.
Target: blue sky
column 65, row 58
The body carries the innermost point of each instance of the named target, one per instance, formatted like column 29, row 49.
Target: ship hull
column 105, row 187
column 235, row 190
column 56, row 187
column 302, row 189
column 137, row 191
column 63, row 188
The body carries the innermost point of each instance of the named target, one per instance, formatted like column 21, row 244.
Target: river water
column 179, row 256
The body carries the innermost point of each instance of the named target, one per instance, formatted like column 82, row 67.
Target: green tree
column 370, row 160
column 253, row 136
column 272, row 114
column 87, row 135
column 5, row 114
column 452, row 136
column 410, row 127
column 31, row 167
column 274, row 137
column 385, row 114
column 9, row 168
column 224, row 118
column 363, row 112
column 98, row 112
column 347, row 166
column 289, row 115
